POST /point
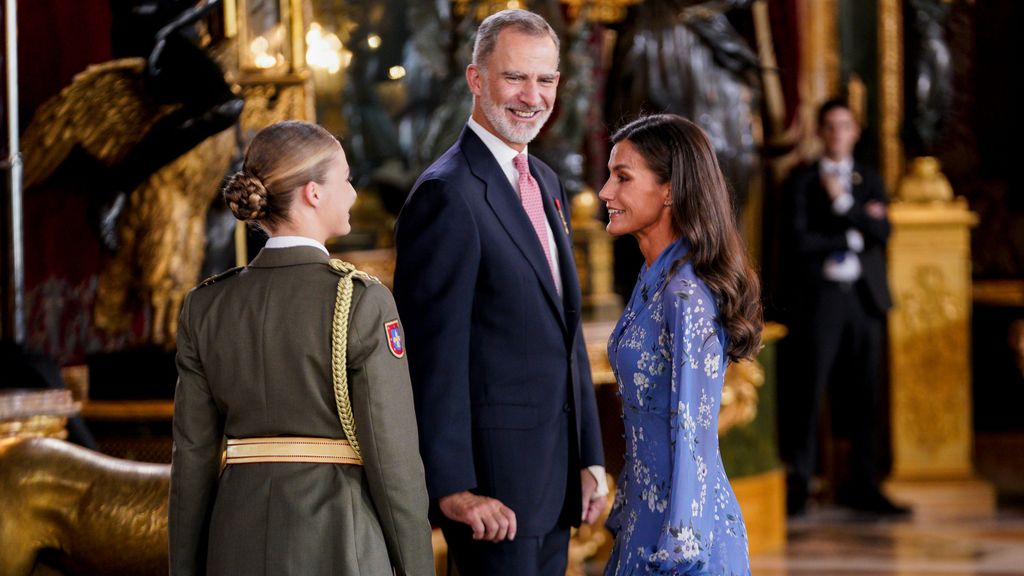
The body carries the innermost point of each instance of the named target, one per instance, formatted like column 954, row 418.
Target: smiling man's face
column 515, row 90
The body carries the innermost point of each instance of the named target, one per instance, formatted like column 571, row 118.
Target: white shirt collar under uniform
column 292, row 241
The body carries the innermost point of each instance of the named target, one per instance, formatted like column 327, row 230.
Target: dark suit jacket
column 504, row 399
column 815, row 232
column 254, row 359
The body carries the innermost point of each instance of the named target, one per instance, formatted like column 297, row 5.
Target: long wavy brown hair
column 679, row 152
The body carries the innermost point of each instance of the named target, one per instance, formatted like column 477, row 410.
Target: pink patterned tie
column 529, row 193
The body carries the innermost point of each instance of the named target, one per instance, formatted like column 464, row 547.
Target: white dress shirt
column 843, row 266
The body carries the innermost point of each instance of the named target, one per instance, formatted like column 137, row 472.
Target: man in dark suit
column 487, row 290
column 838, row 229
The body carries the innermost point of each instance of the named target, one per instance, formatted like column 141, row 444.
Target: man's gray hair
column 522, row 21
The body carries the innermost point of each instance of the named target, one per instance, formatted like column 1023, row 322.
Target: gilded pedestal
column 929, row 273
column 592, row 250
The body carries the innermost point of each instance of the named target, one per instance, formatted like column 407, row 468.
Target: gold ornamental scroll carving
column 269, row 100
column 929, row 332
column 36, row 413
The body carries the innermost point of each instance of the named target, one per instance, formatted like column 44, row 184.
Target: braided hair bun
column 280, row 160
column 246, row 195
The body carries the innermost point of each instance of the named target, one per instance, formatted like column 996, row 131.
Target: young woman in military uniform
column 297, row 360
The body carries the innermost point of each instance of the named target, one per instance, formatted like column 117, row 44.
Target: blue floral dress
column 674, row 512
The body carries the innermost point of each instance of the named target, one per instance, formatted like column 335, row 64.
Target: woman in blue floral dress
column 695, row 307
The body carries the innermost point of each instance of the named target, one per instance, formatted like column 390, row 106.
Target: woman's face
column 637, row 202
column 340, row 196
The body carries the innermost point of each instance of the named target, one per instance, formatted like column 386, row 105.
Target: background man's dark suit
column 832, row 323
column 500, row 374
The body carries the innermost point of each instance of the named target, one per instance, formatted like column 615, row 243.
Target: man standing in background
column 837, row 232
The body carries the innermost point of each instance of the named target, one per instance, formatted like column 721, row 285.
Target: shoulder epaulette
column 343, row 268
column 218, row 277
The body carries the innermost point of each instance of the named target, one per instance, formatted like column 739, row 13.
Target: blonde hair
column 281, row 158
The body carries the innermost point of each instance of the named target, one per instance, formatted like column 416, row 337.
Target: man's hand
column 592, row 506
column 875, row 209
column 488, row 517
column 832, row 185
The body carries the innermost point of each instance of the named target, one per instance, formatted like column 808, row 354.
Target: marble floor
column 833, row 542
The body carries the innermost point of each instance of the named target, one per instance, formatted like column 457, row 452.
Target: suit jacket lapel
column 550, row 190
column 506, row 205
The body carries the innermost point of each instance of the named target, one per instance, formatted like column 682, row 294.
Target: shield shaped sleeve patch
column 394, row 337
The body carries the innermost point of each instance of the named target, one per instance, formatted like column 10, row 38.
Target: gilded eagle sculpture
column 159, row 128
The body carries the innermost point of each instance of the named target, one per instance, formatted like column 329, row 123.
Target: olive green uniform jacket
column 254, row 359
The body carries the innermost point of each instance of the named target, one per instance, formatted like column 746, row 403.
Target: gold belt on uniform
column 290, row 449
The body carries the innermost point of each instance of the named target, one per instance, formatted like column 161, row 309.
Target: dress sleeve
column 198, row 431
column 382, row 404
column 698, row 366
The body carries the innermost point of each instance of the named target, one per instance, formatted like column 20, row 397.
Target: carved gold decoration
column 929, row 255
column 36, row 413
column 105, row 111
column 483, row 9
column 740, row 395
column 162, row 236
column 270, row 100
column 890, row 78
column 928, row 312
column 603, row 11
column 925, row 182
column 85, row 509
